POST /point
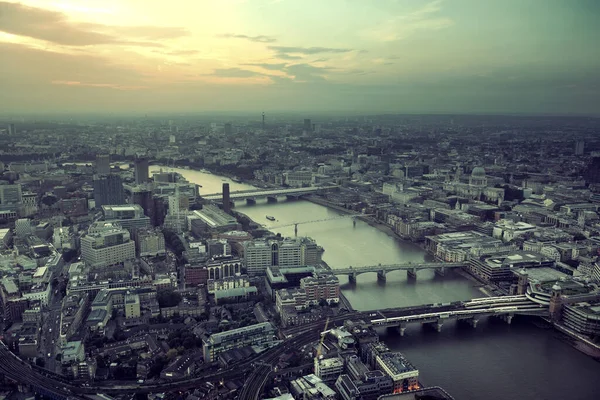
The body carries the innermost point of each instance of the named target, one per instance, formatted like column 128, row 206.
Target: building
column 195, row 274
column 583, row 317
column 73, row 352
column 129, row 216
column 149, row 242
column 311, row 387
column 253, row 335
column 103, row 164
column 232, row 282
column 288, row 253
column 10, row 196
column 12, row 130
column 132, row 305
column 328, row 369
column 301, row 178
column 108, row 190
column 507, row 230
column 321, row 287
column 107, row 245
column 579, row 147
column 224, row 267
column 23, row 227
column 226, row 199
column 141, row 170
column 211, row 220
column 369, row 386
column 307, row 127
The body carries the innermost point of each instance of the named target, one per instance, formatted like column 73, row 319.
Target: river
column 495, row 361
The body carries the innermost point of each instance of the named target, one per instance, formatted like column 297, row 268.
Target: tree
column 168, row 298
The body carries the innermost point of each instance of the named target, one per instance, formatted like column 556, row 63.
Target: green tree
column 168, row 298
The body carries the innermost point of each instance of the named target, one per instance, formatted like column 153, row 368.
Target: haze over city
column 401, row 56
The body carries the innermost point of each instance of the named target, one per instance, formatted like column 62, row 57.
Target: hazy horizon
column 339, row 57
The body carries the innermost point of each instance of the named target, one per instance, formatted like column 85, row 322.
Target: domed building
column 478, row 177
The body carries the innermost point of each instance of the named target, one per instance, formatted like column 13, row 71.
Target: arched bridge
column 381, row 270
column 271, row 194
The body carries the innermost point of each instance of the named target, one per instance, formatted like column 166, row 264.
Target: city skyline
column 342, row 56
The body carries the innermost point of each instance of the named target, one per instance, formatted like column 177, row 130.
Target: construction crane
column 295, row 224
column 320, row 348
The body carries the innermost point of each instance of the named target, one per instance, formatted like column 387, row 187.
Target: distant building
column 103, row 164
column 579, row 147
column 307, row 127
column 108, row 190
column 141, row 170
column 211, row 220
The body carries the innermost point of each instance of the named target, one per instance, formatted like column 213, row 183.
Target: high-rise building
column 108, row 190
column 307, row 125
column 579, row 147
column 149, row 242
column 103, row 164
column 226, row 199
column 141, row 170
column 12, row 130
column 142, row 196
column 228, row 129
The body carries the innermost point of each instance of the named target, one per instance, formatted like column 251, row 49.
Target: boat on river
column 270, row 218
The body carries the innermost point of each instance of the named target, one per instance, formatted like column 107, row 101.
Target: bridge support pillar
column 438, row 326
column 473, row 322
column 440, row 271
column 271, row 199
column 291, row 197
column 411, row 273
column 250, row 201
column 401, row 329
column 352, row 278
column 507, row 318
column 381, row 276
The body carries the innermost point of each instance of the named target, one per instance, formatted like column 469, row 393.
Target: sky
column 319, row 56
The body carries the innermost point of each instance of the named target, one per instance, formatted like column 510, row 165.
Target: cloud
column 285, row 56
column 235, row 73
column 307, row 72
column 100, row 85
column 402, row 26
column 53, row 26
column 258, row 38
column 307, row 50
column 179, row 52
column 271, row 67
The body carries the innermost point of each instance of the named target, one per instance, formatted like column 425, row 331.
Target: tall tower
column 226, row 200
column 141, row 170
column 307, row 125
column 108, row 190
column 263, row 121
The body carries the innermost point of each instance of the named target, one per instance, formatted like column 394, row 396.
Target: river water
column 493, row 361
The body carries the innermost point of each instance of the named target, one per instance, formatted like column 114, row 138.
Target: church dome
column 478, row 172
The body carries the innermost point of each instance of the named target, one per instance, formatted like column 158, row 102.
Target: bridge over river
column 270, row 194
column 410, row 268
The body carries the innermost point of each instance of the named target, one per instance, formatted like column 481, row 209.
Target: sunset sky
column 348, row 56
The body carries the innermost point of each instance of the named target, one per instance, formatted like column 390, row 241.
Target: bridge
column 271, row 195
column 353, row 216
column 465, row 311
column 381, row 270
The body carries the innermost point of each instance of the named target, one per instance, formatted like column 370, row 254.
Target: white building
column 507, row 230
column 288, row 253
column 108, row 246
column 329, row 369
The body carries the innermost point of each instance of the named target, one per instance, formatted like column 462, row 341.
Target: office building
column 105, row 245
column 228, row 129
column 11, row 196
column 129, row 216
column 149, row 242
column 253, row 335
column 23, row 227
column 307, row 125
column 311, row 387
column 103, row 164
column 141, row 170
column 287, row 253
column 12, row 130
column 108, row 190
column 579, row 147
